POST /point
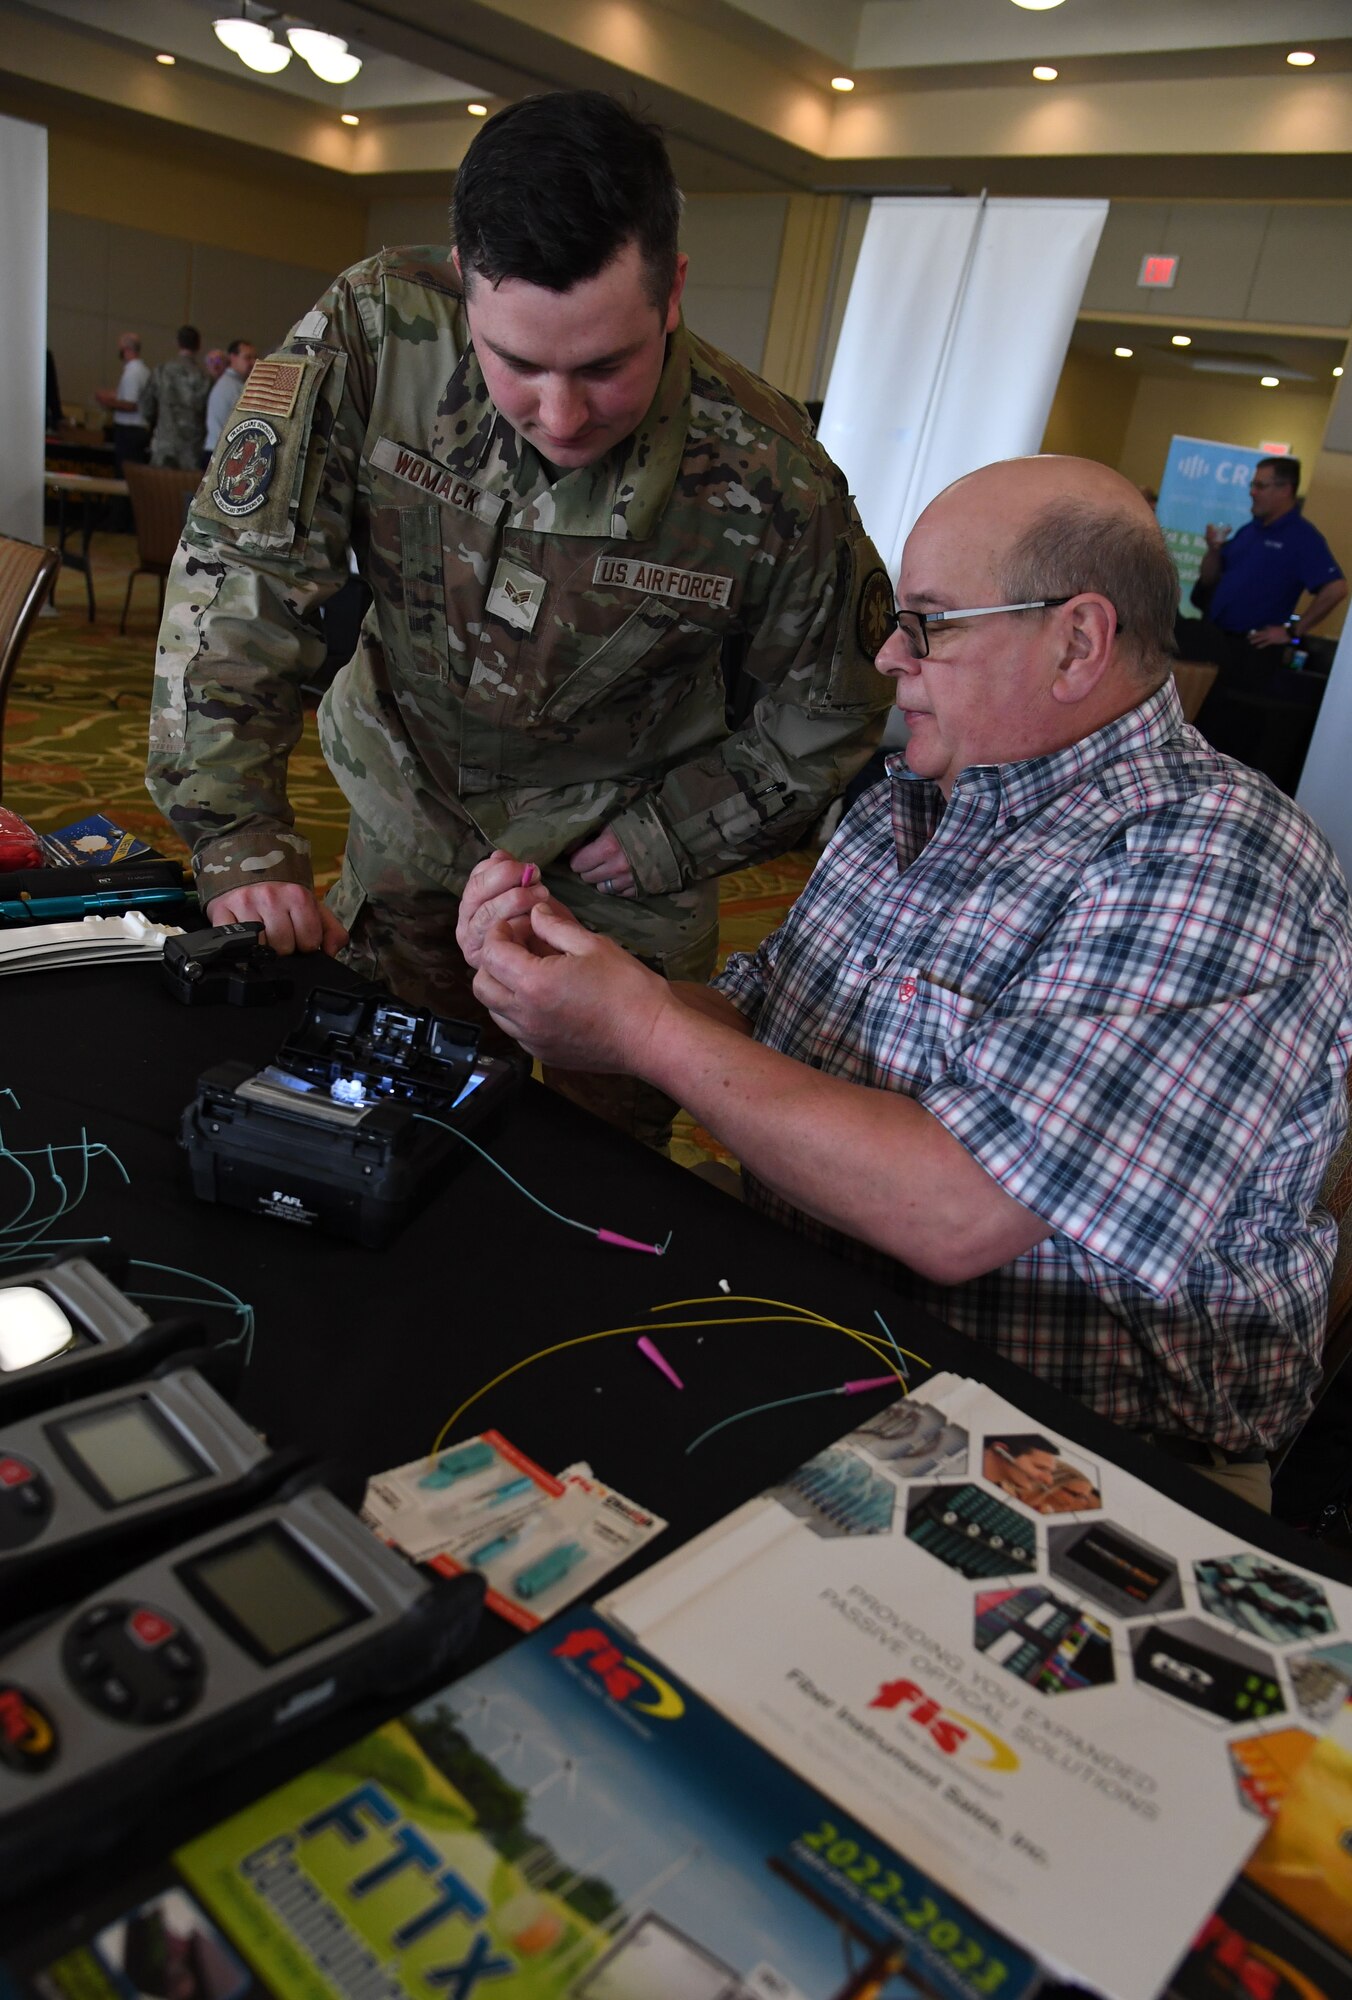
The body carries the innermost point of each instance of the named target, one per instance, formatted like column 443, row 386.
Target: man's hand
column 1270, row 635
column 604, row 863
column 499, row 891
column 571, row 998
column 106, row 399
column 293, row 917
column 1216, row 535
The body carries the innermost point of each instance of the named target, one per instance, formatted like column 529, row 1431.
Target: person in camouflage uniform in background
column 564, row 503
column 174, row 405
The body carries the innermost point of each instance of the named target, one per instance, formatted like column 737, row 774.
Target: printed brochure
column 1056, row 1690
column 568, row 1821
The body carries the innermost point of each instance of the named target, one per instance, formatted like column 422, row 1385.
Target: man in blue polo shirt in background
column 1256, row 577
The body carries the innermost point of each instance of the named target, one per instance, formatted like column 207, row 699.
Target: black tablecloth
column 360, row 1355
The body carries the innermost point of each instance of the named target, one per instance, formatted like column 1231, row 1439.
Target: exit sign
column 1159, row 272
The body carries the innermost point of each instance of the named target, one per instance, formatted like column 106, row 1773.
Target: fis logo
column 957, row 1735
column 624, row 1679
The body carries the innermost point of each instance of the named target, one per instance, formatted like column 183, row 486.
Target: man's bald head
column 1056, row 527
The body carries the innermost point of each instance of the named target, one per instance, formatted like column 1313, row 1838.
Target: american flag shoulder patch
column 272, row 388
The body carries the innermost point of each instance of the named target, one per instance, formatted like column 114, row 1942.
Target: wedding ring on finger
column 606, row 886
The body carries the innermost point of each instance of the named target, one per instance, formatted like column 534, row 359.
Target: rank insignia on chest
column 690, row 586
column 244, row 468
column 516, row 595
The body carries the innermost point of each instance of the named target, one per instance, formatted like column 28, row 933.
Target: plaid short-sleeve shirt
column 1121, row 977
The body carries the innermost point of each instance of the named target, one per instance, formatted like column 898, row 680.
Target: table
column 89, row 488
column 360, row 1355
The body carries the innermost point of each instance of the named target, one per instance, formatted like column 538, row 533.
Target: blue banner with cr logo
column 1203, row 481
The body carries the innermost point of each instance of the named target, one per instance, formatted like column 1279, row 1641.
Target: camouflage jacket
column 541, row 659
column 174, row 406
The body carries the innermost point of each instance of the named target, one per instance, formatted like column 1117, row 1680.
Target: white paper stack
column 90, row 941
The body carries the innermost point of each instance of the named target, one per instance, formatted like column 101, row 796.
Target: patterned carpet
column 75, row 734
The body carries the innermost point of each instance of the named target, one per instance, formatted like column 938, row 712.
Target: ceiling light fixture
column 168, row 61
column 1269, row 382
column 477, row 110
column 327, row 55
column 1337, row 373
column 842, row 83
column 348, row 118
column 1037, row 6
column 1300, row 58
column 1181, row 340
column 253, row 44
column 1124, row 353
column 1045, row 73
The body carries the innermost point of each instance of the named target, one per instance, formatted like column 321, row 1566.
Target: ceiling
column 1184, row 97
column 1300, row 362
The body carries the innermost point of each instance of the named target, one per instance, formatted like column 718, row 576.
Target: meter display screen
column 128, row 1451
column 33, row 1328
column 271, row 1594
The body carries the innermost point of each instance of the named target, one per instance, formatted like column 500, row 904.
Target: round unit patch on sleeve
column 244, row 467
column 874, row 619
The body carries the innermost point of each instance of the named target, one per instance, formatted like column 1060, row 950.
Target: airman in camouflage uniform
column 174, row 406
column 542, row 657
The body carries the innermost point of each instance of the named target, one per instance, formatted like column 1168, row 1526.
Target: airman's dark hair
column 553, row 188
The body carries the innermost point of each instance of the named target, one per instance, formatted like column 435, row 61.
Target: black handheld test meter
column 66, row 1330
column 96, row 1486
column 197, row 1659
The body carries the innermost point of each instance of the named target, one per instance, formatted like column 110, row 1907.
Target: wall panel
column 1304, row 276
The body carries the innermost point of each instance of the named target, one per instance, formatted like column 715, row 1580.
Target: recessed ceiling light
column 168, row 61
column 1045, row 73
column 1181, row 340
column 477, row 110
column 1337, row 372
column 842, row 83
column 1269, row 381
column 348, row 118
column 1300, row 58
column 1037, row 6
column 1124, row 353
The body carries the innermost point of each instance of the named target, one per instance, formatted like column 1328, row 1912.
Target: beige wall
column 105, row 278
column 156, row 177
column 1091, row 410
column 1231, row 413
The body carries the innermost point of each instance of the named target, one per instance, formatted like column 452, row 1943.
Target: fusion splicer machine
column 353, row 1123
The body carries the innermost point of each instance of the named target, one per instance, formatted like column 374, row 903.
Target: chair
column 27, row 574
column 159, row 502
column 1194, row 683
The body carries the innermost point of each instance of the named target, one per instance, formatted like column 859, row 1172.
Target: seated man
column 1062, row 1020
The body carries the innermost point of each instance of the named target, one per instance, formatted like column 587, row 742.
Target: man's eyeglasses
column 915, row 626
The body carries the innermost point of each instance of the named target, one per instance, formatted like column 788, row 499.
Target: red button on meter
column 150, row 1628
column 13, row 1472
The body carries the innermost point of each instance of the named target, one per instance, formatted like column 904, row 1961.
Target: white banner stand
column 23, row 325
column 953, row 341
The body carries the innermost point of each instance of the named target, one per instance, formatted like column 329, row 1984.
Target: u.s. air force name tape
column 694, row 586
